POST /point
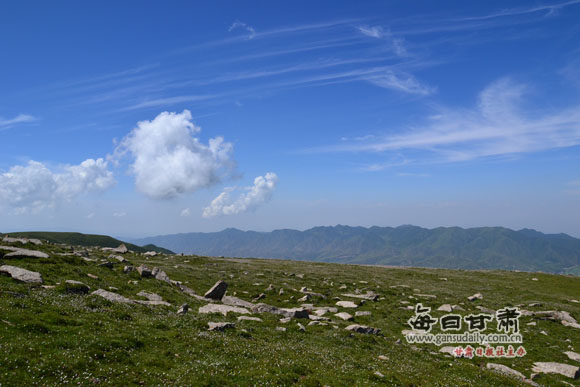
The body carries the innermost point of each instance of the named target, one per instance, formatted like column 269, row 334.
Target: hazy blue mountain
column 446, row 247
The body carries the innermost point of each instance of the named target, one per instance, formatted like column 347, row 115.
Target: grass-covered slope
column 444, row 247
column 78, row 239
column 51, row 337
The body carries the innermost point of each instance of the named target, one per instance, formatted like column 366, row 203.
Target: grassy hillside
column 444, row 247
column 78, row 239
column 51, row 337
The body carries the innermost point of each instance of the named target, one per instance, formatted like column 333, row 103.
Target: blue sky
column 144, row 118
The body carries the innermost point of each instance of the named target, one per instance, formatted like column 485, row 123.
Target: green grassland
column 50, row 337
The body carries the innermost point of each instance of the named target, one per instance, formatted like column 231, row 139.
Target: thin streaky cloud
column 522, row 11
column 169, row 101
column 19, row 119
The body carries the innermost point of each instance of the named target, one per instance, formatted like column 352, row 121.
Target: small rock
column 383, row 357
column 108, row 265
column 362, row 313
column 183, row 309
column 304, row 299
column 344, row 316
column 363, row 329
column 532, row 324
column 160, row 275
column 144, row 271
column 270, row 288
column 281, row 292
column 128, row 269
column 379, row 375
column 220, row 326
column 476, row 296
column 448, row 350
column 92, row 276
column 248, row 318
column 73, row 286
column 150, row 296
column 150, row 253
column 217, row 291
column 259, row 297
column 347, row 304
column 445, row 308
column 301, row 327
column 285, row 320
column 281, row 329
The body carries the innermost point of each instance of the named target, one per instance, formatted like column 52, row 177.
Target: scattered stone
column 160, row 275
column 73, row 286
column 23, row 275
column 259, row 297
column 379, row 375
column 217, row 291
column 485, row 310
column 426, row 295
column 301, row 276
column 301, row 327
column 320, row 312
column 532, row 324
column 118, row 258
column 150, row 296
column 575, row 301
column 24, row 241
column 445, row 308
column 363, row 329
column 285, row 320
column 183, row 309
column 534, row 279
column 150, row 253
column 144, row 271
column 500, row 368
column 281, row 292
column 448, row 350
column 108, row 265
column 318, row 318
column 342, row 287
column 569, row 371
column 161, row 302
column 476, row 296
column 383, row 357
column 457, row 307
column 92, row 276
column 270, row 288
column 220, row 326
column 281, row 329
column 113, row 297
column 304, row 299
column 362, row 313
column 128, row 269
column 291, row 312
column 573, row 356
column 443, row 279
column 344, row 316
column 248, row 318
column 569, row 324
column 223, row 309
column 371, row 296
column 235, row 301
column 347, row 304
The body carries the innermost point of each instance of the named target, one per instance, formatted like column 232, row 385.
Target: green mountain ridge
column 442, row 247
column 89, row 240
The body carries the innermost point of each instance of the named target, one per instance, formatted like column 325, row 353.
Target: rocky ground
column 72, row 315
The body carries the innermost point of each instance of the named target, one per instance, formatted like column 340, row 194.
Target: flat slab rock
column 22, row 275
column 363, row 329
column 347, row 304
column 223, row 309
column 150, row 296
column 573, row 356
column 113, row 297
column 73, row 286
column 23, row 253
column 572, row 372
column 220, row 326
column 500, row 368
column 288, row 312
column 344, row 316
column 248, row 318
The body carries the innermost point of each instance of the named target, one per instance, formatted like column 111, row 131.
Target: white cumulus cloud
column 35, row 186
column 170, row 160
column 259, row 193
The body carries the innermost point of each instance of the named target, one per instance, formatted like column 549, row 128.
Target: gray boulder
column 217, row 291
column 22, row 275
column 567, row 370
column 144, row 271
column 363, row 329
column 223, row 309
column 73, row 286
column 113, row 297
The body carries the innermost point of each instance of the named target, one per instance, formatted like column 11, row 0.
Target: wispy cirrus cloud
column 19, row 119
column 497, row 126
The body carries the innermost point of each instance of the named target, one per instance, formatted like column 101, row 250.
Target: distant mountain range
column 78, row 239
column 443, row 247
